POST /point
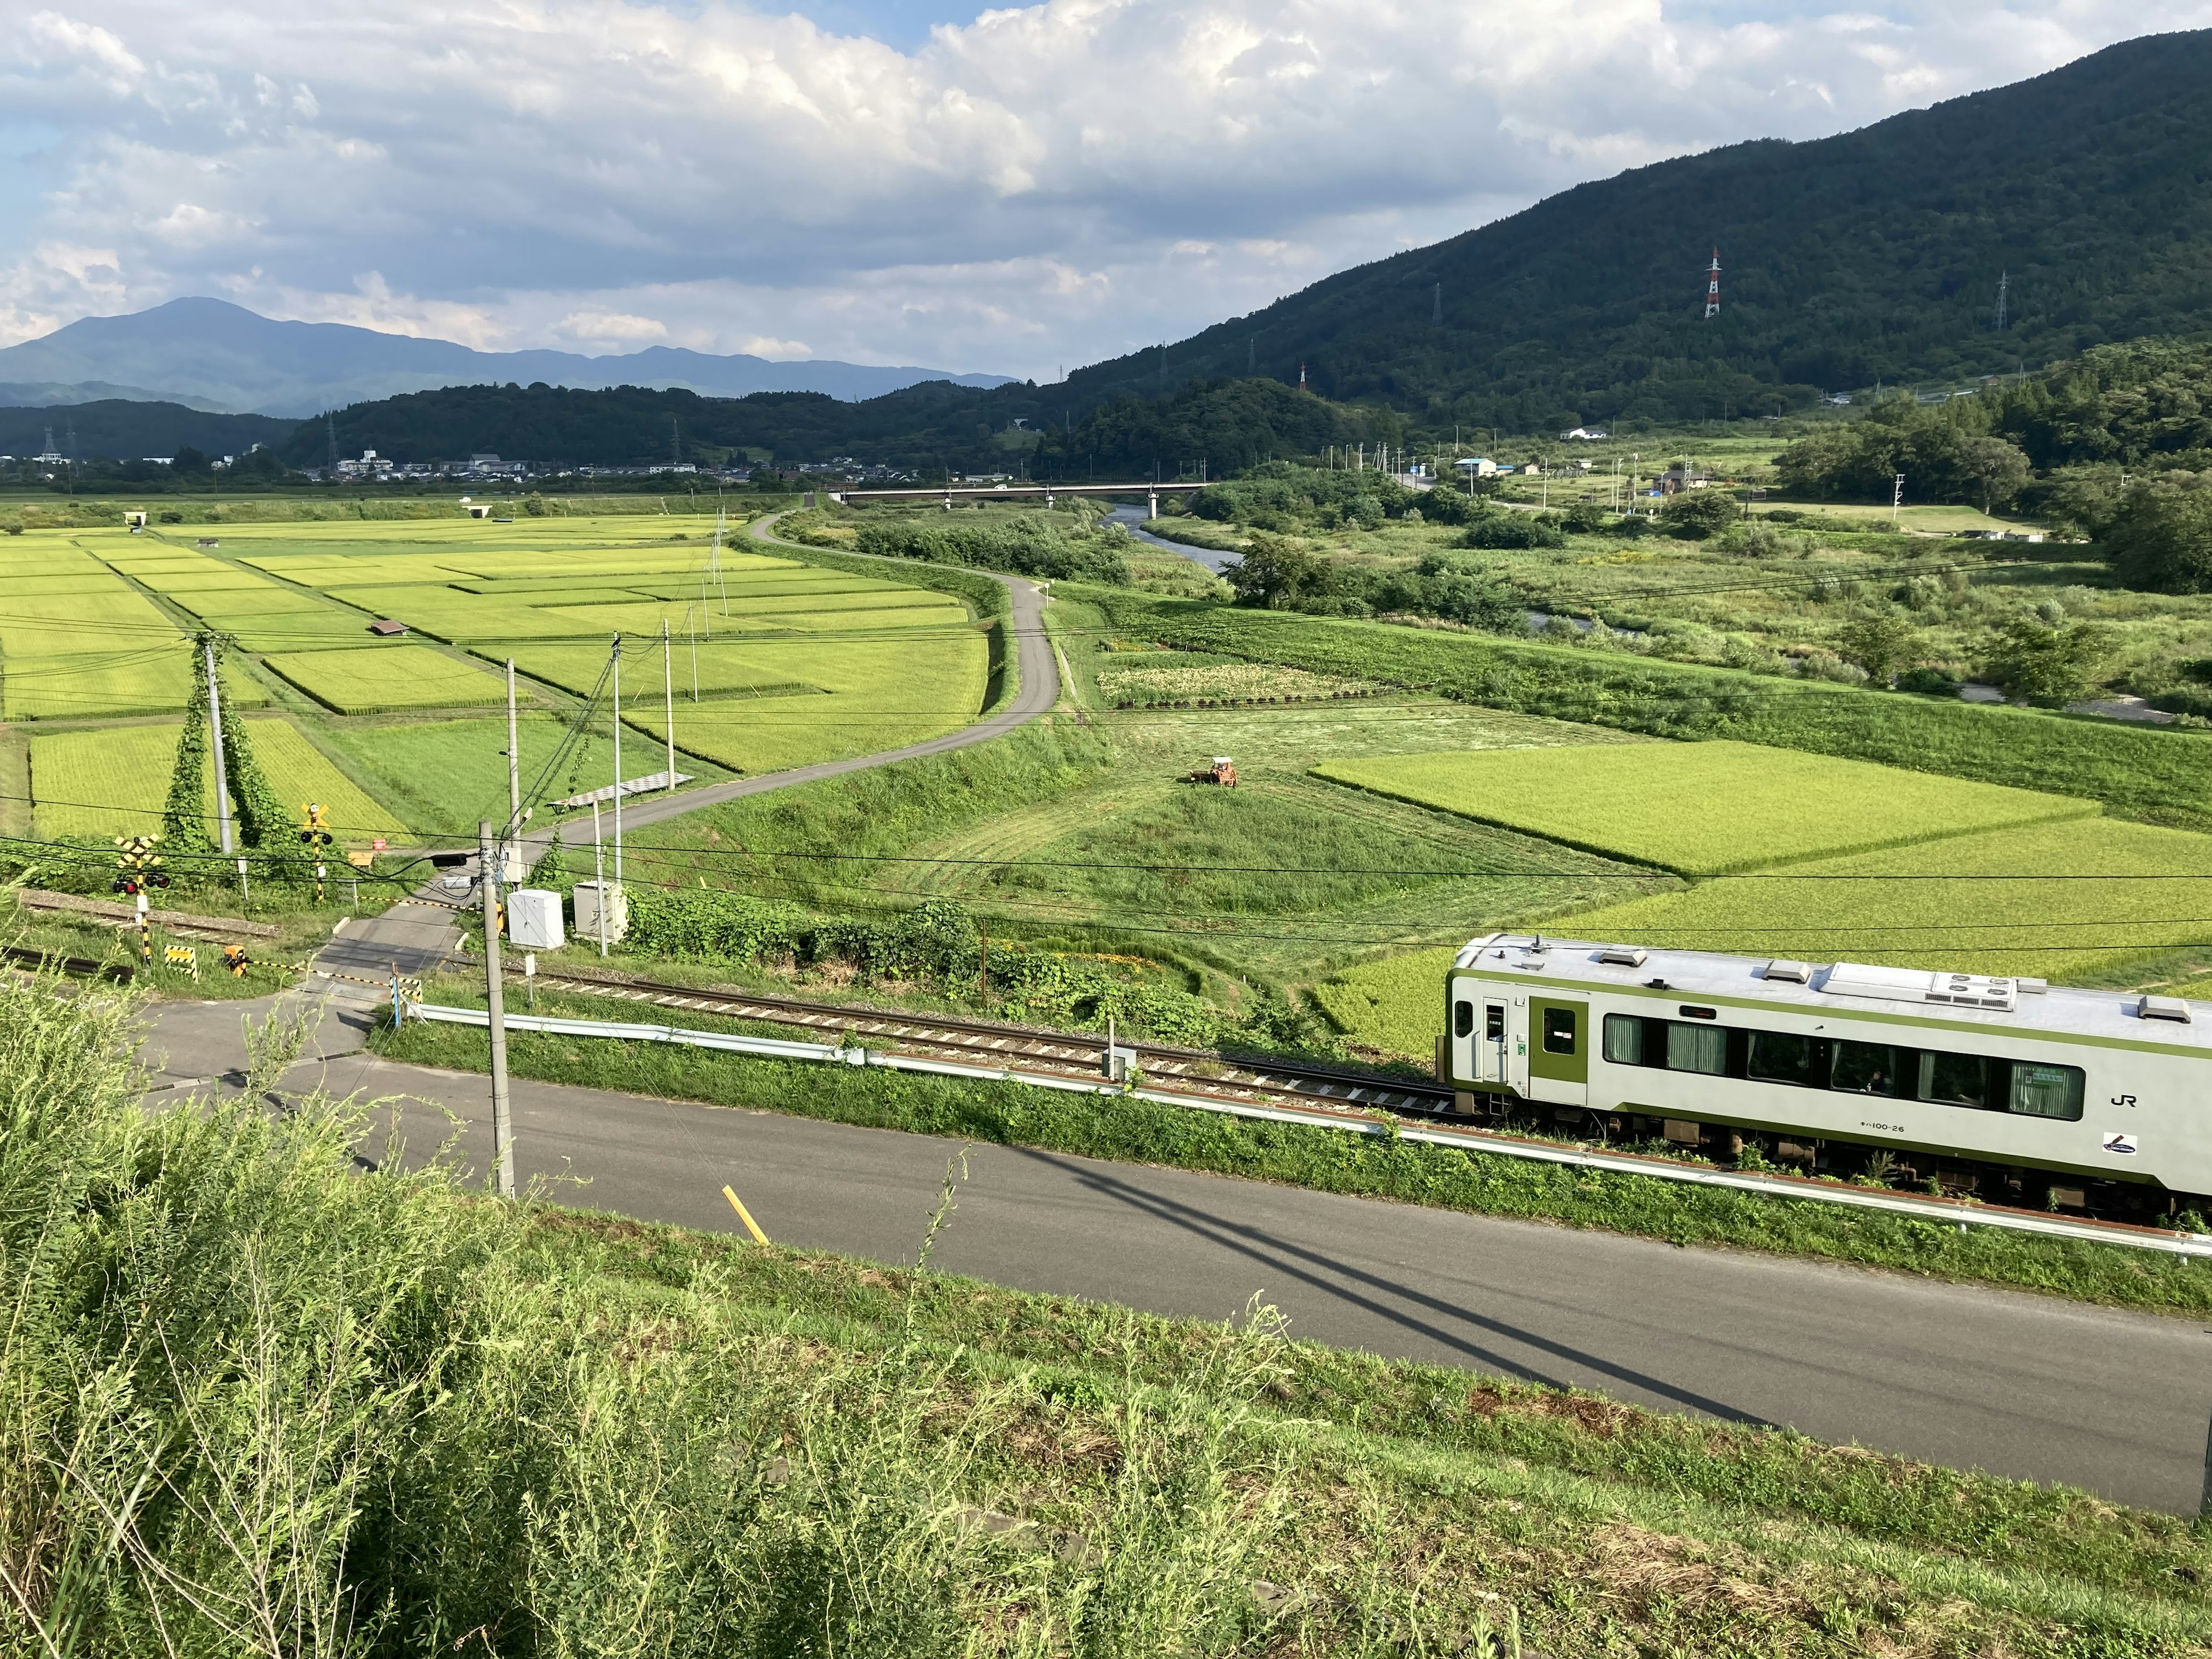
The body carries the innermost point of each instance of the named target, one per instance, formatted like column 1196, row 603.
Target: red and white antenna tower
column 1713, row 287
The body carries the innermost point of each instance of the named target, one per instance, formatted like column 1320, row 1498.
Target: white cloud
column 1051, row 183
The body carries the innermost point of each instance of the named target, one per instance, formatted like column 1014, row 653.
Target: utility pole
column 513, row 758
column 599, row 875
column 618, row 778
column 503, row 1134
column 668, row 699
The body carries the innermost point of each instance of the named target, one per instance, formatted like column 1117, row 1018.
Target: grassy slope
column 403, row 1418
column 1705, row 809
column 1573, row 1509
column 1136, row 1131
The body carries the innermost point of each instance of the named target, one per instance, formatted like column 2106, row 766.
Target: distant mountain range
column 211, row 355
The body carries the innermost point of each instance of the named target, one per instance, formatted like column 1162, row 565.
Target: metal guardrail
column 1941, row 1211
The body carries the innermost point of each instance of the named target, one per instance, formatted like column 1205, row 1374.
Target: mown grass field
column 113, row 782
column 1701, row 809
column 380, row 678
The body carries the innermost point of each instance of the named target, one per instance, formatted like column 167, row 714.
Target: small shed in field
column 387, row 629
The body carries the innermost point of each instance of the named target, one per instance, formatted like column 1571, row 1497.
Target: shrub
column 1022, row 547
column 2162, row 540
column 2048, row 664
column 1511, row 530
column 1694, row 514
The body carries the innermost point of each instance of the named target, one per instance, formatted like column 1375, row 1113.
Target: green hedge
column 2163, row 776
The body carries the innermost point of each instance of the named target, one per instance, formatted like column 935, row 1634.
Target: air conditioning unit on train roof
column 1856, row 978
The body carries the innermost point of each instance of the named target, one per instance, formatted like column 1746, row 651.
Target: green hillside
column 1872, row 256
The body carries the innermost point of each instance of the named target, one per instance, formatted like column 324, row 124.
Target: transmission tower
column 2004, row 281
column 1713, row 287
column 1437, row 312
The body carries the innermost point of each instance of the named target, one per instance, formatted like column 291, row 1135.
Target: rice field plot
column 114, row 782
column 446, row 613
column 97, row 685
column 14, row 587
column 212, row 579
column 2075, row 901
column 647, row 617
column 1702, row 809
column 1394, row 1006
column 378, row 679
column 444, row 775
column 711, row 668
column 881, row 694
column 90, row 623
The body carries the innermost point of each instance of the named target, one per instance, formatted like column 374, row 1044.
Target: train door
column 1494, row 1042
column 1558, row 1050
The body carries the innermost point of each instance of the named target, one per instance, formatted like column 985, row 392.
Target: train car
column 2010, row 1089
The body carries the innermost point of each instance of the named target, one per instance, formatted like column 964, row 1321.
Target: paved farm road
column 2019, row 1384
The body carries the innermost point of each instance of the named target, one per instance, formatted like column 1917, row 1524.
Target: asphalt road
column 2020, row 1385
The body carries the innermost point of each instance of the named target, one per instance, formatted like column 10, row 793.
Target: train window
column 1623, row 1040
column 2045, row 1091
column 1696, row 1048
column 1493, row 1022
column 1863, row 1068
column 1558, row 1031
column 1954, row 1080
column 1781, row 1057
column 1462, row 1019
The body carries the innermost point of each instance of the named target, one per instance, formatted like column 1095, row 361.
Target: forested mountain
column 121, row 429
column 1873, row 256
column 927, row 427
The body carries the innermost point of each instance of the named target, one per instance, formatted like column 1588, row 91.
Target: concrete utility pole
column 618, row 780
column 513, row 758
column 668, row 698
column 503, row 1130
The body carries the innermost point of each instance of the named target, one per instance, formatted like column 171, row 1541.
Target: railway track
column 1056, row 1053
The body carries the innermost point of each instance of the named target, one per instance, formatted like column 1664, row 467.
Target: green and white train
column 2010, row 1088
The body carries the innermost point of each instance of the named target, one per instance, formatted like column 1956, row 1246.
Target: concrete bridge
column 948, row 493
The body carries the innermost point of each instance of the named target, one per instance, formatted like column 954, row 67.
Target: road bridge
column 1151, row 491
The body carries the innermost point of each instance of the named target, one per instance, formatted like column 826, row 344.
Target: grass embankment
column 1137, row 1131
column 2159, row 775
column 257, row 1402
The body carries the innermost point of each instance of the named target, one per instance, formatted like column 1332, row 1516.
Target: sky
column 885, row 181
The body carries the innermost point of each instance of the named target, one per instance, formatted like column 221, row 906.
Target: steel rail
column 1286, row 1109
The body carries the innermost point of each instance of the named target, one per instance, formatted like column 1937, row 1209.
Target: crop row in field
column 1239, row 682
column 375, row 679
column 1704, row 808
column 114, row 782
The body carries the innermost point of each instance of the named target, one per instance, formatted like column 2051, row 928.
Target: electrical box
column 533, row 919
column 588, row 912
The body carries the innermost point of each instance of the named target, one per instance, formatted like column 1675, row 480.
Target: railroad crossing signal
column 315, row 836
column 138, row 867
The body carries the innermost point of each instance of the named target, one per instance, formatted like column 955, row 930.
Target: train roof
column 1996, row 1002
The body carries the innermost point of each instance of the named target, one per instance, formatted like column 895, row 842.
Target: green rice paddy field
column 795, row 663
